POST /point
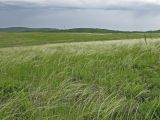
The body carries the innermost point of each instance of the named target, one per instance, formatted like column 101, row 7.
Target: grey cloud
column 112, row 17
column 129, row 5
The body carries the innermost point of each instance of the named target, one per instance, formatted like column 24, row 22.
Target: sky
column 109, row 14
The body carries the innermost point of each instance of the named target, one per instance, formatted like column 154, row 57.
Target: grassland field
column 10, row 39
column 76, row 79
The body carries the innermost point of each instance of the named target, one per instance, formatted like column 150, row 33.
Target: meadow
column 11, row 39
column 81, row 80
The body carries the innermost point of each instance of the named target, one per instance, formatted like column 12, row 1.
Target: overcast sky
column 110, row 14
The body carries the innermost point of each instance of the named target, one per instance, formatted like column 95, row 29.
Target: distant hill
column 91, row 30
column 156, row 31
column 79, row 30
column 25, row 29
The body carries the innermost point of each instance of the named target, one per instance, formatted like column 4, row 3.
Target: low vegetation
column 78, row 81
column 11, row 39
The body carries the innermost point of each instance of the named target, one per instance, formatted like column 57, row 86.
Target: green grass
column 11, row 39
column 95, row 81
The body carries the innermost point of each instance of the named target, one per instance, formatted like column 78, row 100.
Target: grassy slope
column 9, row 39
column 80, row 82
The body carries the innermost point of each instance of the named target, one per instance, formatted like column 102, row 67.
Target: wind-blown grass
column 80, row 82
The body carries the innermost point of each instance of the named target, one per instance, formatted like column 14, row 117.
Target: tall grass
column 80, row 82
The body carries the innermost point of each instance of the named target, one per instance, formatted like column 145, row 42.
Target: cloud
column 111, row 14
column 85, row 4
